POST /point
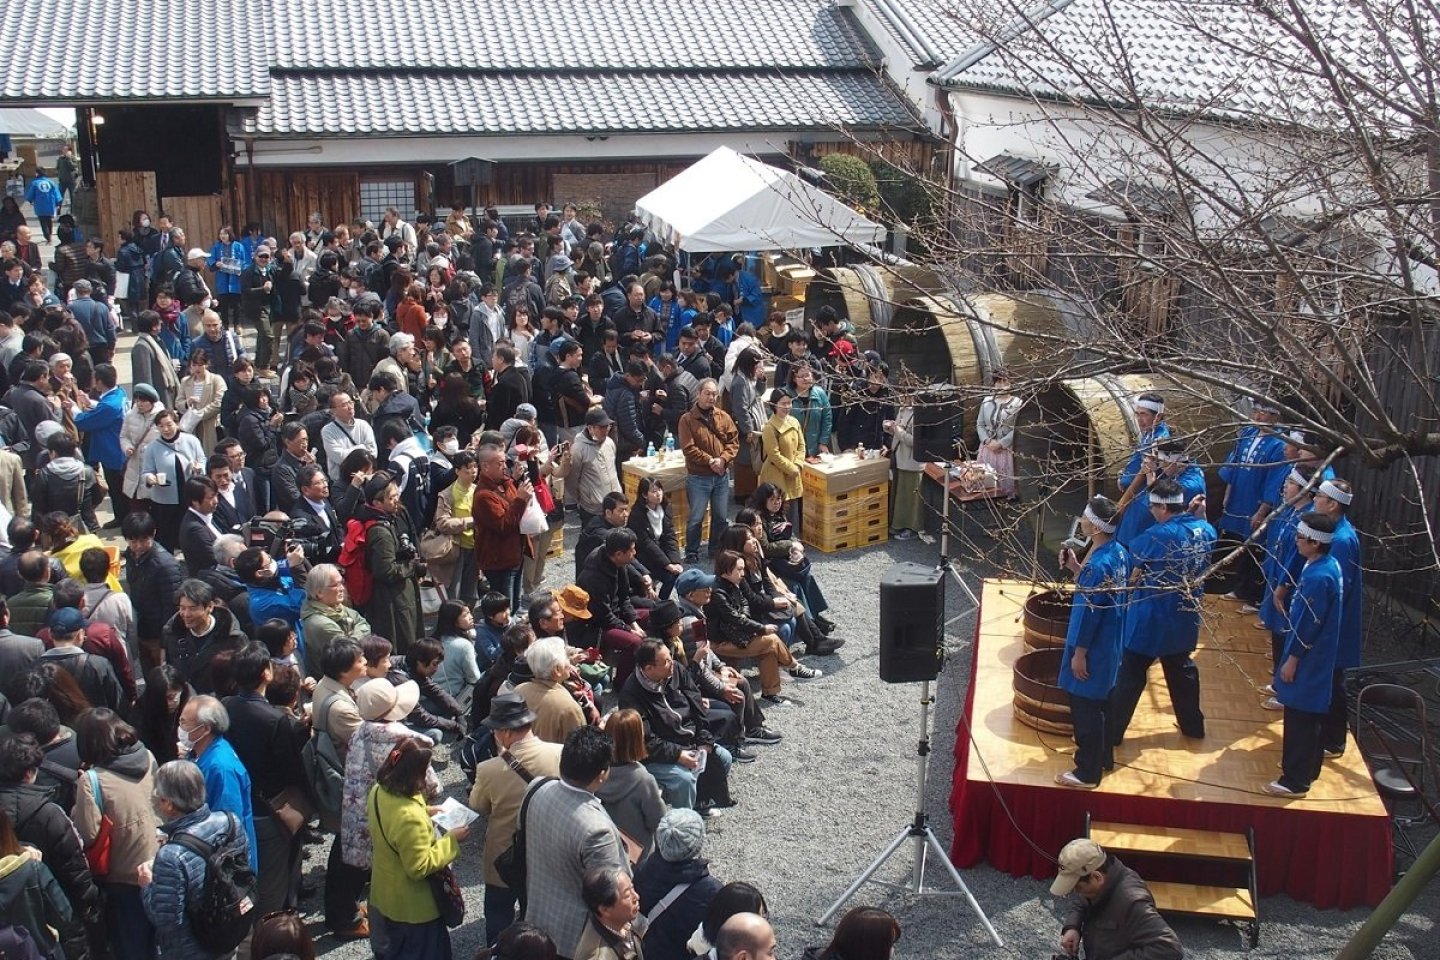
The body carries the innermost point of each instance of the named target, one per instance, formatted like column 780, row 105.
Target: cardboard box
column 844, row 473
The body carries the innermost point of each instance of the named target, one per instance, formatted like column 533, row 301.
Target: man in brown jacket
column 710, row 440
column 500, row 785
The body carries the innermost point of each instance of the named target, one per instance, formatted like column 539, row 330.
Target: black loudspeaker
column 939, row 423
column 912, row 623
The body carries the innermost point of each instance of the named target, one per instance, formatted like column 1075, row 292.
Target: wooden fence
column 201, row 217
column 119, row 194
column 281, row 201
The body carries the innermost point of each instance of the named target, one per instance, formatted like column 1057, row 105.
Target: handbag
column 189, row 420
column 438, row 548
column 444, row 886
column 97, row 852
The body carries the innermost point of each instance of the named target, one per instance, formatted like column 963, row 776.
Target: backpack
column 225, row 912
column 359, row 581
column 324, row 770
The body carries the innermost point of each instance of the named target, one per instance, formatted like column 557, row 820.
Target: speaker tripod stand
column 921, row 838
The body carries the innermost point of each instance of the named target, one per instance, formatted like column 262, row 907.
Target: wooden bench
column 1235, row 850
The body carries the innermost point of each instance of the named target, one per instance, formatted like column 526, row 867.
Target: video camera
column 272, row 535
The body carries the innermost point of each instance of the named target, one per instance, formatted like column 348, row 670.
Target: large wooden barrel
column 868, row 294
column 1046, row 616
column 1080, row 431
column 1039, row 702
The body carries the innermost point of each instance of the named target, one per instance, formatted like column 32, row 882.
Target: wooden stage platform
column 1331, row 848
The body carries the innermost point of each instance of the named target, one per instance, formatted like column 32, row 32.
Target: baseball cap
column 65, row 621
column 597, row 417
column 1078, row 858
column 693, row 579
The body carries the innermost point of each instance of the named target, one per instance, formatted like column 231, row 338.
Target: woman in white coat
column 170, row 460
column 136, row 433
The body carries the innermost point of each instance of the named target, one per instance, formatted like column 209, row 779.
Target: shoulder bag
column 510, row 864
column 97, row 852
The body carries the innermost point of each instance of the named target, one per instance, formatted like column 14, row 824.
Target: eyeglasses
column 262, row 256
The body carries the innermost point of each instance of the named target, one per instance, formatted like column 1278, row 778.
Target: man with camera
column 1114, row 915
column 273, row 587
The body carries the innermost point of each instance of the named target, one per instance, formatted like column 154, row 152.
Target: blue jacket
column 656, row 877
column 94, row 318
column 1136, row 517
column 487, row 643
column 226, row 283
column 44, row 195
column 1097, row 618
column 1249, row 470
column 180, row 881
column 1164, row 611
column 1282, row 564
column 282, row 602
column 1345, row 548
column 101, row 425
column 1275, row 482
column 746, row 289
column 227, row 789
column 1313, row 637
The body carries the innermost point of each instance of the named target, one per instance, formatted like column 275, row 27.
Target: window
column 376, row 195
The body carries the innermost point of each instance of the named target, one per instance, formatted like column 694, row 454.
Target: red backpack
column 359, row 581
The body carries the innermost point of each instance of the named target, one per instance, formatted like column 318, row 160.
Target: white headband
column 1177, row 456
column 1154, row 406
column 1172, row 499
column 1296, row 436
column 1296, row 479
column 1101, row 525
column 1335, row 493
column 1310, row 533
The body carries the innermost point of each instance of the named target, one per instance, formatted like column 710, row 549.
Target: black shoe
column 775, row 700
column 826, row 647
column 826, row 625
column 762, row 735
column 112, row 525
column 740, row 755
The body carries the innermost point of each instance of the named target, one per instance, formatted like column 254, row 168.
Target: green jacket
column 28, row 609
column 406, row 852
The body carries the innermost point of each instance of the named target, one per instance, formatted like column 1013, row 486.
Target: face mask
column 183, row 741
column 450, row 446
column 144, row 221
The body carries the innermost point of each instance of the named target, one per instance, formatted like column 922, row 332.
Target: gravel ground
column 816, row 809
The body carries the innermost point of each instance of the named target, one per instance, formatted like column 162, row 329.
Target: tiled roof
column 331, row 105
column 948, row 28
column 77, row 51
column 570, row 35
column 1214, row 58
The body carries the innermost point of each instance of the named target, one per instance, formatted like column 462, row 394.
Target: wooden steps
column 1155, row 847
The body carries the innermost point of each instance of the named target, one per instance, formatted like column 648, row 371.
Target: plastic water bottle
column 860, row 452
column 669, row 443
column 650, row 452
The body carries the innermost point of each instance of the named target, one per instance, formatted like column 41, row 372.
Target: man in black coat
column 622, row 402
column 198, row 528
column 236, row 502
column 636, row 322
column 152, row 576
column 30, row 402
column 677, row 727
column 512, row 387
column 268, row 741
column 295, row 454
column 314, row 503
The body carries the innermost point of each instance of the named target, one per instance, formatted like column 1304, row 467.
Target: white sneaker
column 1068, row 779
column 1232, row 595
column 1272, row 704
column 1268, row 690
column 1277, row 789
column 1249, row 608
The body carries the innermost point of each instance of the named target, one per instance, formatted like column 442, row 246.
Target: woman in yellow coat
column 407, row 850
column 784, row 444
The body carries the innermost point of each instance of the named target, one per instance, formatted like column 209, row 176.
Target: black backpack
column 226, row 909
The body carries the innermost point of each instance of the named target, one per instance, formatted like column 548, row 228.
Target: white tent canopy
column 729, row 201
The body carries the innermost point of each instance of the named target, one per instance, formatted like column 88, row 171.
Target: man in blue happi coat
column 1303, row 681
column 1283, row 564
column 1162, row 617
column 1332, row 499
column 1249, row 472
column 1150, row 418
column 1092, row 643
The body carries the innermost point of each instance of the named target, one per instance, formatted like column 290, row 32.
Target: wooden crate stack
column 671, row 475
column 847, row 504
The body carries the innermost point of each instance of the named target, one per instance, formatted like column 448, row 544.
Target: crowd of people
column 335, row 577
